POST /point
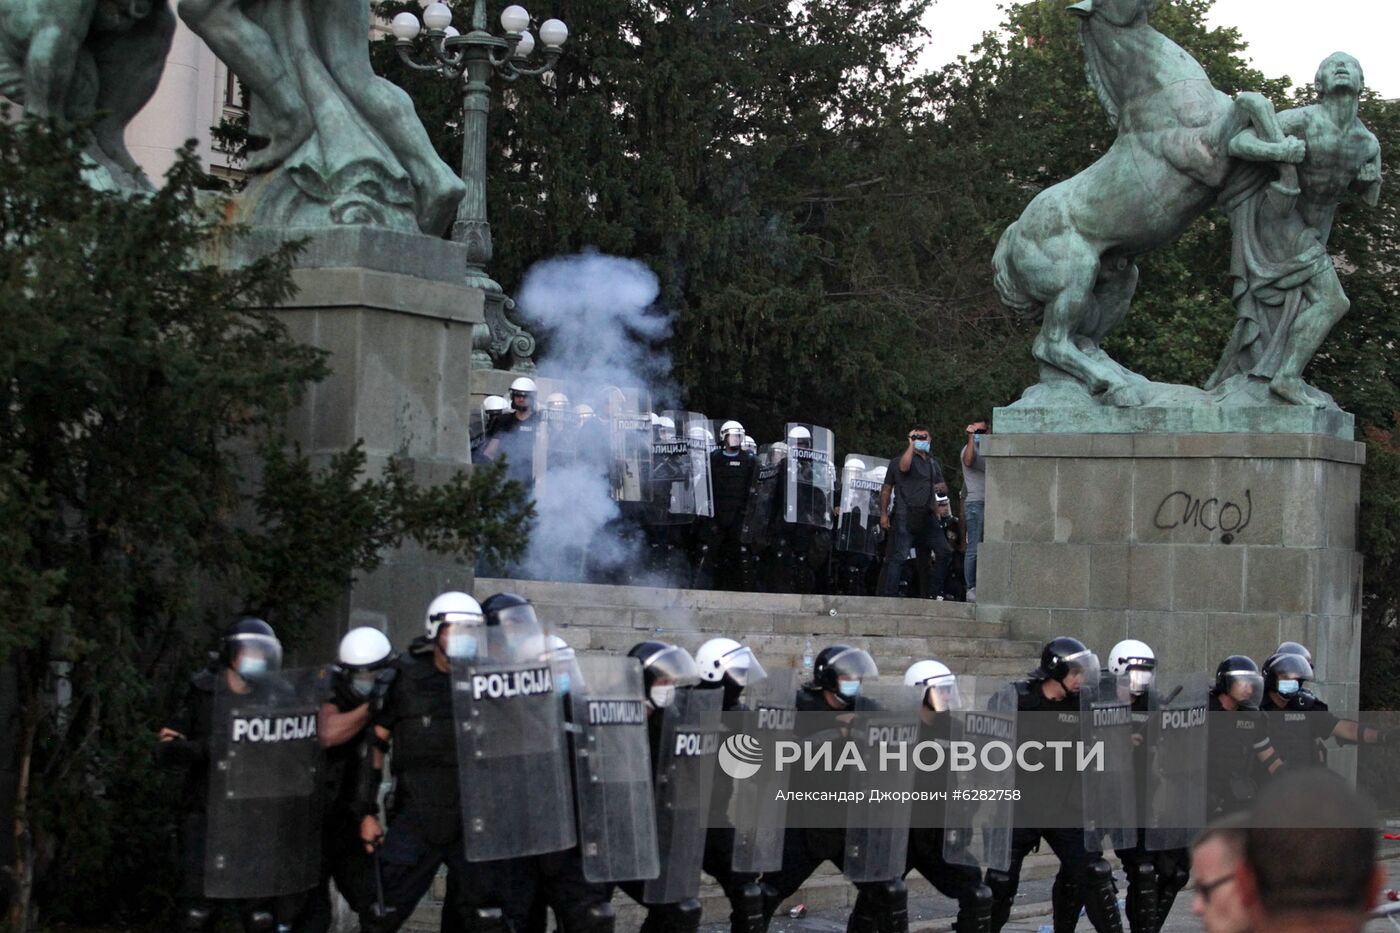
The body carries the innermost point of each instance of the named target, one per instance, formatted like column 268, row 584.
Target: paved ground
column 1032, row 912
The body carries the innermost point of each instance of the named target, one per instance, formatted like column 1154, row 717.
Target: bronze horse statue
column 1069, row 260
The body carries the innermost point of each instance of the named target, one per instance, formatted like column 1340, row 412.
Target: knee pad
column 975, row 913
column 199, row 917
column 1066, row 898
column 1099, row 872
column 260, row 921
column 487, row 920
column 686, row 917
column 1101, row 897
column 1001, row 884
column 894, row 907
column 597, row 918
column 747, row 915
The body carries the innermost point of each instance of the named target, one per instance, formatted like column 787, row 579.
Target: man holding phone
column 914, row 480
column 974, row 501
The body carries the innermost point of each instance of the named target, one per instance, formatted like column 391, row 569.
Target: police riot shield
column 612, row 771
column 263, row 836
column 981, row 809
column 811, row 476
column 760, row 512
column 512, row 756
column 1109, row 795
column 679, row 490
column 630, row 437
column 557, row 442
column 759, row 805
column 858, row 529
column 685, row 769
column 885, row 729
column 1175, row 740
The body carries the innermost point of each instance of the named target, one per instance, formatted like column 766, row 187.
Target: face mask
column 922, row 446
column 252, row 666
column 363, row 686
column 1288, row 687
column 562, row 683
column 461, row 645
column 848, row 688
column 663, row 695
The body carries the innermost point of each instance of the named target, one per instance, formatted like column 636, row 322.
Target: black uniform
column 962, row 883
column 194, row 720
column 425, row 820
column 1084, row 877
column 724, row 560
column 1236, row 739
column 1299, row 728
column 1154, row 878
column 880, row 905
column 804, row 546
column 343, row 856
column 517, row 437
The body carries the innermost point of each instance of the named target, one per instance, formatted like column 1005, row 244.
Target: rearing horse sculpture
column 1069, row 259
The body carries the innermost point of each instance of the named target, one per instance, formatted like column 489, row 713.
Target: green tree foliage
column 823, row 219
column 135, row 379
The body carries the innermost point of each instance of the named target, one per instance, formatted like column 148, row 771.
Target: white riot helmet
column 878, row 474
column 750, row 444
column 730, row 428
column 1134, row 660
column 725, row 656
column 941, row 686
column 699, row 435
column 494, row 405
column 524, row 384
column 364, row 648
column 797, row 435
column 556, row 401
column 665, row 428
column 583, row 412
column 777, row 452
column 854, row 465
column 453, row 608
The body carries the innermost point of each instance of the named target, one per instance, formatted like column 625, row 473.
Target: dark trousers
column 344, row 860
column 962, row 883
column 804, row 850
column 555, row 883
column 416, row 845
column 718, row 862
column 931, row 550
column 1076, row 864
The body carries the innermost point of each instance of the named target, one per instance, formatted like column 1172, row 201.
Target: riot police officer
column 837, row 678
column 667, row 671
column 357, row 685
column 515, row 433
column 963, row 883
column 724, row 560
column 727, row 665
column 492, row 407
column 1053, row 687
column 1241, row 752
column 249, row 657
column 425, row 821
column 1299, row 723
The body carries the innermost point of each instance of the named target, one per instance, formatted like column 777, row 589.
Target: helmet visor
column 1291, row 667
column 1081, row 668
column 1244, row 686
column 853, row 664
column 252, row 654
column 942, row 693
column 1139, row 680
column 742, row 667
column 673, row 665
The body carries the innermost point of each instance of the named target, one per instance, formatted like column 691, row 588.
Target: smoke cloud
column 601, row 328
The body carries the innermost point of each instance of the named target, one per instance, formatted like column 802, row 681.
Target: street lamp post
column 473, row 59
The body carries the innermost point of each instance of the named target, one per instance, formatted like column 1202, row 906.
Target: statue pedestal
column 398, row 325
column 1202, row 545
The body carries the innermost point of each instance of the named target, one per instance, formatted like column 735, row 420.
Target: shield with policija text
column 1109, row 792
column 512, row 755
column 885, row 730
column 811, row 476
column 759, row 805
column 858, row 528
column 678, row 488
column 612, row 771
column 760, row 512
column 263, row 831
column 980, row 809
column 1175, row 751
column 684, row 776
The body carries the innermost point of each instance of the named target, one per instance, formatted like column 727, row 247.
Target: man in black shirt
column 724, row 560
column 914, row 479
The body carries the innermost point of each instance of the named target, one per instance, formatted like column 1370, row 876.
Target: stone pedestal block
column 1203, row 545
column 398, row 325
